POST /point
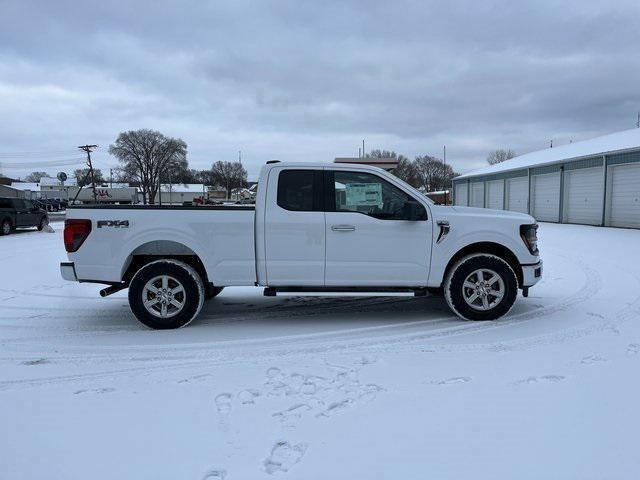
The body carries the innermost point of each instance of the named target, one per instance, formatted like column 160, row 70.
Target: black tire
column 5, row 227
column 43, row 223
column 212, row 292
column 192, row 296
column 455, row 291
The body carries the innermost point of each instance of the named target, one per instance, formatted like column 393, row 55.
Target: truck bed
column 222, row 236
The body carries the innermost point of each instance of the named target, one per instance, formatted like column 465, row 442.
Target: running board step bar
column 353, row 291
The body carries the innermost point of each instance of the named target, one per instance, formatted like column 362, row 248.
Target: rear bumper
column 68, row 271
column 531, row 274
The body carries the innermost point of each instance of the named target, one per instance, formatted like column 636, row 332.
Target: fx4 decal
column 113, row 223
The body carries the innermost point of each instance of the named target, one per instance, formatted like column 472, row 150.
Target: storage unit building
column 593, row 182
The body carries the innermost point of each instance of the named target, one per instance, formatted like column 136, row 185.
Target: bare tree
column 229, row 175
column 145, row 156
column 499, row 156
column 83, row 178
column 404, row 171
column 35, row 177
column 433, row 174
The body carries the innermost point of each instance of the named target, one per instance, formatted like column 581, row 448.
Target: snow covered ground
column 340, row 388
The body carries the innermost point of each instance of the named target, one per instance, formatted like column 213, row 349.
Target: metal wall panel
column 477, row 195
column 517, row 194
column 545, row 196
column 583, row 196
column 495, row 194
column 623, row 197
column 461, row 197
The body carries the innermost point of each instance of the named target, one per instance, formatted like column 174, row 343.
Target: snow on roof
column 186, row 188
column 625, row 140
column 26, row 186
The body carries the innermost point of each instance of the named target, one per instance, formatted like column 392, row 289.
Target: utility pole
column 88, row 149
column 359, row 152
column 111, row 177
column 551, row 144
column 240, row 157
column 638, row 121
column 363, row 154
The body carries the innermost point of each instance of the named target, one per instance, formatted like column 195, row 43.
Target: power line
column 43, row 164
column 36, row 154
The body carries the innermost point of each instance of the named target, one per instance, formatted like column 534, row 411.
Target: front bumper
column 68, row 271
column 531, row 274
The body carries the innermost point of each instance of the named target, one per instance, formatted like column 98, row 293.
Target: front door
column 23, row 216
column 294, row 228
column 370, row 240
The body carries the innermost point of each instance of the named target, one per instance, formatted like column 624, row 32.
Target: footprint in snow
column 542, row 379
column 248, row 396
column 223, row 403
column 335, row 407
column 293, row 413
column 39, row 361
column 215, row 475
column 592, row 359
column 284, row 456
column 452, row 380
column 95, row 390
column 633, row 349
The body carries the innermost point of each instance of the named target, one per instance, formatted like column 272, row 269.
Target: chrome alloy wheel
column 163, row 296
column 483, row 289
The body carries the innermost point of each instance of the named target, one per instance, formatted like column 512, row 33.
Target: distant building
column 7, row 191
column 384, row 163
column 593, row 182
column 177, row 193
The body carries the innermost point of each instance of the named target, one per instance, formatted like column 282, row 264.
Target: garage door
column 545, row 196
column 477, row 195
column 461, row 194
column 517, row 194
column 495, row 194
column 623, row 209
column 583, row 195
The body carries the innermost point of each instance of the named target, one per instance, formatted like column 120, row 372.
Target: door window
column 300, row 190
column 18, row 204
column 369, row 194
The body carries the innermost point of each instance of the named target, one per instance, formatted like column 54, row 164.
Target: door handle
column 343, row 228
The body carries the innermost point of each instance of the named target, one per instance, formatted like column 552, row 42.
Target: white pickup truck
column 320, row 228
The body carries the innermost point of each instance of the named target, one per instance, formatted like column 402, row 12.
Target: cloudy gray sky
column 309, row 80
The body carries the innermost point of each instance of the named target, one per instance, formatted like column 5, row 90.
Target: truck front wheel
column 166, row 294
column 481, row 287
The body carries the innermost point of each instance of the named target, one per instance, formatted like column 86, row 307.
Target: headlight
column 529, row 234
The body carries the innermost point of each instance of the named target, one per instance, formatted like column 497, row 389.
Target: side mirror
column 414, row 211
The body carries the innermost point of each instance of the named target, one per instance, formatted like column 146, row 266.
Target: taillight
column 75, row 232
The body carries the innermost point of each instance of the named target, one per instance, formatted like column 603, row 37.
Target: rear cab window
column 300, row 190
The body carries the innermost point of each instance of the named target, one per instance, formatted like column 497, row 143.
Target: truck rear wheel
column 166, row 294
column 481, row 287
column 5, row 227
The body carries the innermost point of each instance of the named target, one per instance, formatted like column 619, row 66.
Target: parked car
column 19, row 213
column 314, row 228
